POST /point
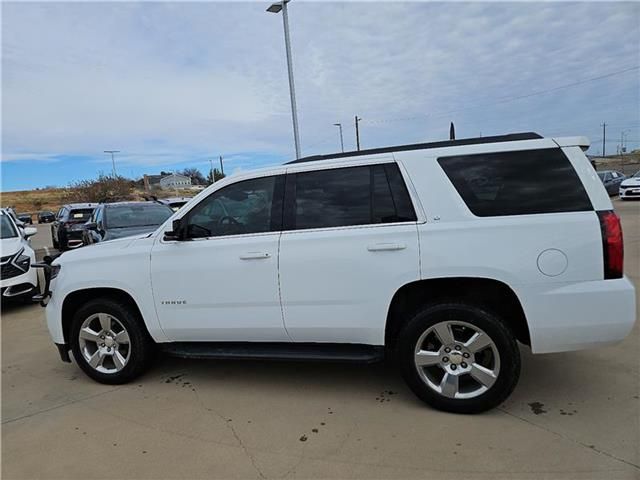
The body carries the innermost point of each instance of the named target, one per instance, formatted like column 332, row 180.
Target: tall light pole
column 357, row 120
column 113, row 161
column 339, row 125
column 277, row 8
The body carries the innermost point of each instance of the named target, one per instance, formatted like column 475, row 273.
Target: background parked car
column 25, row 218
column 175, row 203
column 611, row 179
column 122, row 219
column 46, row 217
column 66, row 229
column 630, row 187
column 12, row 213
column 18, row 279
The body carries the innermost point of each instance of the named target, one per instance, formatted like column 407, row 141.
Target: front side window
column 351, row 196
column 250, row 206
column 517, row 183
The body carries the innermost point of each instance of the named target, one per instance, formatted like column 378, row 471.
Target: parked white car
column 444, row 255
column 630, row 188
column 18, row 280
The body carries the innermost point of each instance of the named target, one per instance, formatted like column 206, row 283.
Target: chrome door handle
column 254, row 256
column 378, row 247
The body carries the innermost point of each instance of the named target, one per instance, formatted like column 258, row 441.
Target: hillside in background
column 33, row 201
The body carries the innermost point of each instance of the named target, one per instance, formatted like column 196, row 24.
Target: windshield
column 637, row 174
column 601, row 175
column 123, row 216
column 7, row 230
column 80, row 214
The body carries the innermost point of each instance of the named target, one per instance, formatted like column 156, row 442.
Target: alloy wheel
column 457, row 359
column 104, row 343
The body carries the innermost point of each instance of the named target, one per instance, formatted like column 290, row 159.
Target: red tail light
column 612, row 245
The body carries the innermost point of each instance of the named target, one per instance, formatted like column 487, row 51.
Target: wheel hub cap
column 104, row 343
column 457, row 359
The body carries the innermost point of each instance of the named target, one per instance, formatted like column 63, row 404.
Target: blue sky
column 171, row 85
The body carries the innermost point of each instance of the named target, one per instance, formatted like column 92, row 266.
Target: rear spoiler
column 582, row 142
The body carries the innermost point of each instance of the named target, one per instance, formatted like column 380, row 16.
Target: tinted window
column 350, row 196
column 333, row 198
column 141, row 215
column 7, row 230
column 517, row 183
column 401, row 198
column 80, row 214
column 384, row 210
column 251, row 206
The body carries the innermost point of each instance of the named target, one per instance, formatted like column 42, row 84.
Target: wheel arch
column 491, row 294
column 74, row 300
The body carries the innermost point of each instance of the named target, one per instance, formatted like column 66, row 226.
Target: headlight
column 55, row 269
column 23, row 262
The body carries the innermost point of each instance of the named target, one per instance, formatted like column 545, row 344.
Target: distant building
column 166, row 182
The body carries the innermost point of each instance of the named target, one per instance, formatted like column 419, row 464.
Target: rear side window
column 348, row 196
column 517, row 183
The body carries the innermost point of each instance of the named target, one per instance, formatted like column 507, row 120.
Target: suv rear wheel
column 109, row 342
column 459, row 358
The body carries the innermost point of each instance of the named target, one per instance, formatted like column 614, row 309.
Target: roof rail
column 512, row 137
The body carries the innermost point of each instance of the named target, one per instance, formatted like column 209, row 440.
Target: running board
column 308, row 352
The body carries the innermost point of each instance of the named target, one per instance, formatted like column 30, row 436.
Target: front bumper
column 574, row 316
column 74, row 238
column 629, row 192
column 20, row 285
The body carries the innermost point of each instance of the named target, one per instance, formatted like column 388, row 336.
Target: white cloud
column 166, row 81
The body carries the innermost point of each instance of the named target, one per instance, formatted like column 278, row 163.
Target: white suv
column 441, row 255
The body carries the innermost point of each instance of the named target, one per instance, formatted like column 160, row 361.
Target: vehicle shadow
column 321, row 377
column 11, row 306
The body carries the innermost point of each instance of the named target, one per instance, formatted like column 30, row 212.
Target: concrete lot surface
column 573, row 415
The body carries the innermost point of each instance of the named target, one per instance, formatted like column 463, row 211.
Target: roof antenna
column 452, row 132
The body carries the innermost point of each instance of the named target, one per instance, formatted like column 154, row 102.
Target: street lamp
column 277, row 8
column 113, row 162
column 339, row 125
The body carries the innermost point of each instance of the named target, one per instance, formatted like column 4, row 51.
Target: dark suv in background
column 66, row 229
column 122, row 219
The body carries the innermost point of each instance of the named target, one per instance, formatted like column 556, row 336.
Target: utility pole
column 277, row 8
column 113, row 162
column 339, row 125
column 211, row 163
column 357, row 132
column 621, row 143
column 604, row 138
column 221, row 166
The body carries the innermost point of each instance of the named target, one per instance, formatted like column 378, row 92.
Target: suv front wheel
column 459, row 358
column 109, row 342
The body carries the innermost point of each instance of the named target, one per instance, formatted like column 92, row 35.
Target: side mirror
column 30, row 232
column 176, row 233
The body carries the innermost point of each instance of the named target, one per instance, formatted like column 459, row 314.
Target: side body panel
column 94, row 267
column 336, row 287
column 219, row 289
column 551, row 261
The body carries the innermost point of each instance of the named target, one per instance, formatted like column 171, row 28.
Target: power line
column 507, row 99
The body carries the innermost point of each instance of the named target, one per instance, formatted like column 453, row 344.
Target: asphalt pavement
column 573, row 415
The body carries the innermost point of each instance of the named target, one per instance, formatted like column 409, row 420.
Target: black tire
column 53, row 240
column 503, row 340
column 142, row 347
column 62, row 243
